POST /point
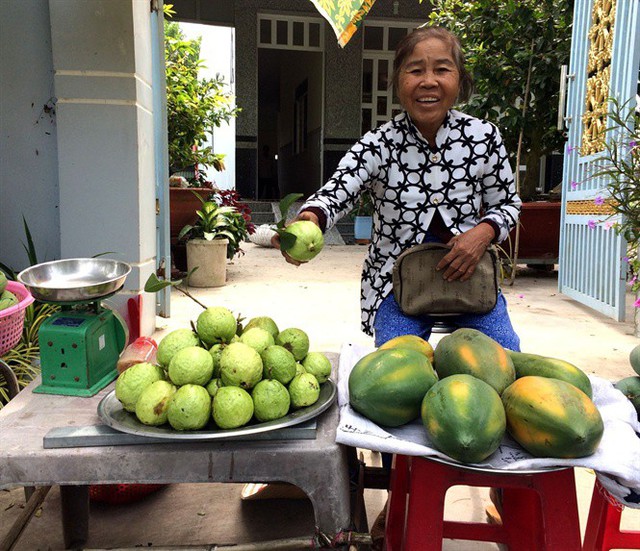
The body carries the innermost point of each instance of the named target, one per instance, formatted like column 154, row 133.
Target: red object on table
column 118, row 494
column 603, row 525
column 540, row 510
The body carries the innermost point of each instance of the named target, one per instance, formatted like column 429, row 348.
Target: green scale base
column 79, row 351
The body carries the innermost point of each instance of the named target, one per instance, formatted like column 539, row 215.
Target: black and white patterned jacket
column 466, row 178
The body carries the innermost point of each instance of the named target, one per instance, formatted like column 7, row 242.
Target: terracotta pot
column 211, row 259
column 539, row 231
column 183, row 205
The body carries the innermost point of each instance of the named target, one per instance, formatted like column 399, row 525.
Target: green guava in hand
column 240, row 365
column 295, row 341
column 317, row 364
column 232, row 407
column 270, row 400
column 190, row 408
column 304, row 390
column 131, row 382
column 191, row 365
column 216, row 324
column 309, row 240
column 153, row 403
column 174, row 341
column 278, row 363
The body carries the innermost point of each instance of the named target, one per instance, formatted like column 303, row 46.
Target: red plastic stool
column 415, row 514
column 603, row 525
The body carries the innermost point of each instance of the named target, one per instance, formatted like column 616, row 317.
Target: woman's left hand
column 466, row 250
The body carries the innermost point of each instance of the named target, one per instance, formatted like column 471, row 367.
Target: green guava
column 309, row 240
column 216, row 352
column 131, row 382
column 240, row 365
column 300, row 369
column 7, row 299
column 257, row 338
column 278, row 363
column 295, row 341
column 317, row 364
column 232, row 407
column 174, row 341
column 153, row 403
column 216, row 324
column 213, row 386
column 263, row 322
column 3, row 281
column 190, row 408
column 304, row 390
column 270, row 400
column 192, row 365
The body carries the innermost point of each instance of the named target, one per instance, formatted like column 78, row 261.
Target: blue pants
column 390, row 322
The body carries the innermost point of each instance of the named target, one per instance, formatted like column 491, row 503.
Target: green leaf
column 285, row 205
column 287, row 240
column 153, row 284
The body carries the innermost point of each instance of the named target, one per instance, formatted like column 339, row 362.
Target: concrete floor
column 322, row 298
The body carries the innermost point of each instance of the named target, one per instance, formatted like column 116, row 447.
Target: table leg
column 75, row 515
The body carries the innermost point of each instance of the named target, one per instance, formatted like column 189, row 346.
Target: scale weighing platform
column 80, row 344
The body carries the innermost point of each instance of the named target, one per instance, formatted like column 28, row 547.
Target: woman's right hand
column 275, row 240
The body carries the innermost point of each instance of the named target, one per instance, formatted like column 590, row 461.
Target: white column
column 102, row 77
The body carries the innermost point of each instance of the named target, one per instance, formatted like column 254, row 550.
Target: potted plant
column 216, row 235
column 363, row 219
column 194, row 107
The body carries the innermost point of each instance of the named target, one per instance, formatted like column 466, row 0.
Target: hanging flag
column 344, row 16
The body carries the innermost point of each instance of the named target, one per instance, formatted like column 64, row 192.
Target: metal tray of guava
column 113, row 414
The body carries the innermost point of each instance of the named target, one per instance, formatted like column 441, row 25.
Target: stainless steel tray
column 112, row 413
column 74, row 279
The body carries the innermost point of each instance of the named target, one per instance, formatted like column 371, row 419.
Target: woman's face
column 428, row 85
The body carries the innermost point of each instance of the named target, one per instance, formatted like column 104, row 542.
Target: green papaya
column 634, row 359
column 542, row 366
column 630, row 387
column 3, row 281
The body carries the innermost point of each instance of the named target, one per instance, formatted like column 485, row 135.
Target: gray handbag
column 419, row 289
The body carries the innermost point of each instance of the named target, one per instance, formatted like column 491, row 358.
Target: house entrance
column 290, row 105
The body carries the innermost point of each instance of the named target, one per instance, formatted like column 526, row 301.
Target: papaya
column 630, row 387
column 552, row 418
column 464, row 418
column 387, row 386
column 468, row 351
column 410, row 341
column 3, row 281
column 541, row 366
column 7, row 299
column 634, row 359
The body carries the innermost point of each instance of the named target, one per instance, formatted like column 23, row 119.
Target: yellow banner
column 344, row 16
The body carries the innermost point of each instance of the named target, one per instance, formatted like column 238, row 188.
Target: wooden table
column 317, row 466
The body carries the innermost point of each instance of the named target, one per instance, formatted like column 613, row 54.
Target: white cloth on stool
column 616, row 461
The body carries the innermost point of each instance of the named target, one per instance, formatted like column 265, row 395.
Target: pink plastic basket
column 12, row 318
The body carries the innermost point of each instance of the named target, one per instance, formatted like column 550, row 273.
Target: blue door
column 604, row 63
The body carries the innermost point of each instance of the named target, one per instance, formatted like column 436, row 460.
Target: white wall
column 28, row 134
column 217, row 51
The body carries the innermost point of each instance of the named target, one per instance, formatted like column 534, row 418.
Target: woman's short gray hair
column 408, row 43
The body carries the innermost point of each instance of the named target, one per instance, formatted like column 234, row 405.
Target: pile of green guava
column 224, row 374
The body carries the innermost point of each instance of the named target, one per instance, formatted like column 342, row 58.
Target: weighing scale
column 80, row 344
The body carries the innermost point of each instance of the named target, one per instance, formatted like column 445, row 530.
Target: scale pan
column 74, row 279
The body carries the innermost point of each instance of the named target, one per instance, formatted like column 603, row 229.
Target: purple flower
column 632, row 144
column 570, row 148
column 625, row 259
column 592, row 224
column 599, row 200
column 608, row 225
column 636, row 304
column 633, row 279
column 520, row 296
column 574, row 185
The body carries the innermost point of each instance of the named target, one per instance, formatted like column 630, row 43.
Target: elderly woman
column 435, row 174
